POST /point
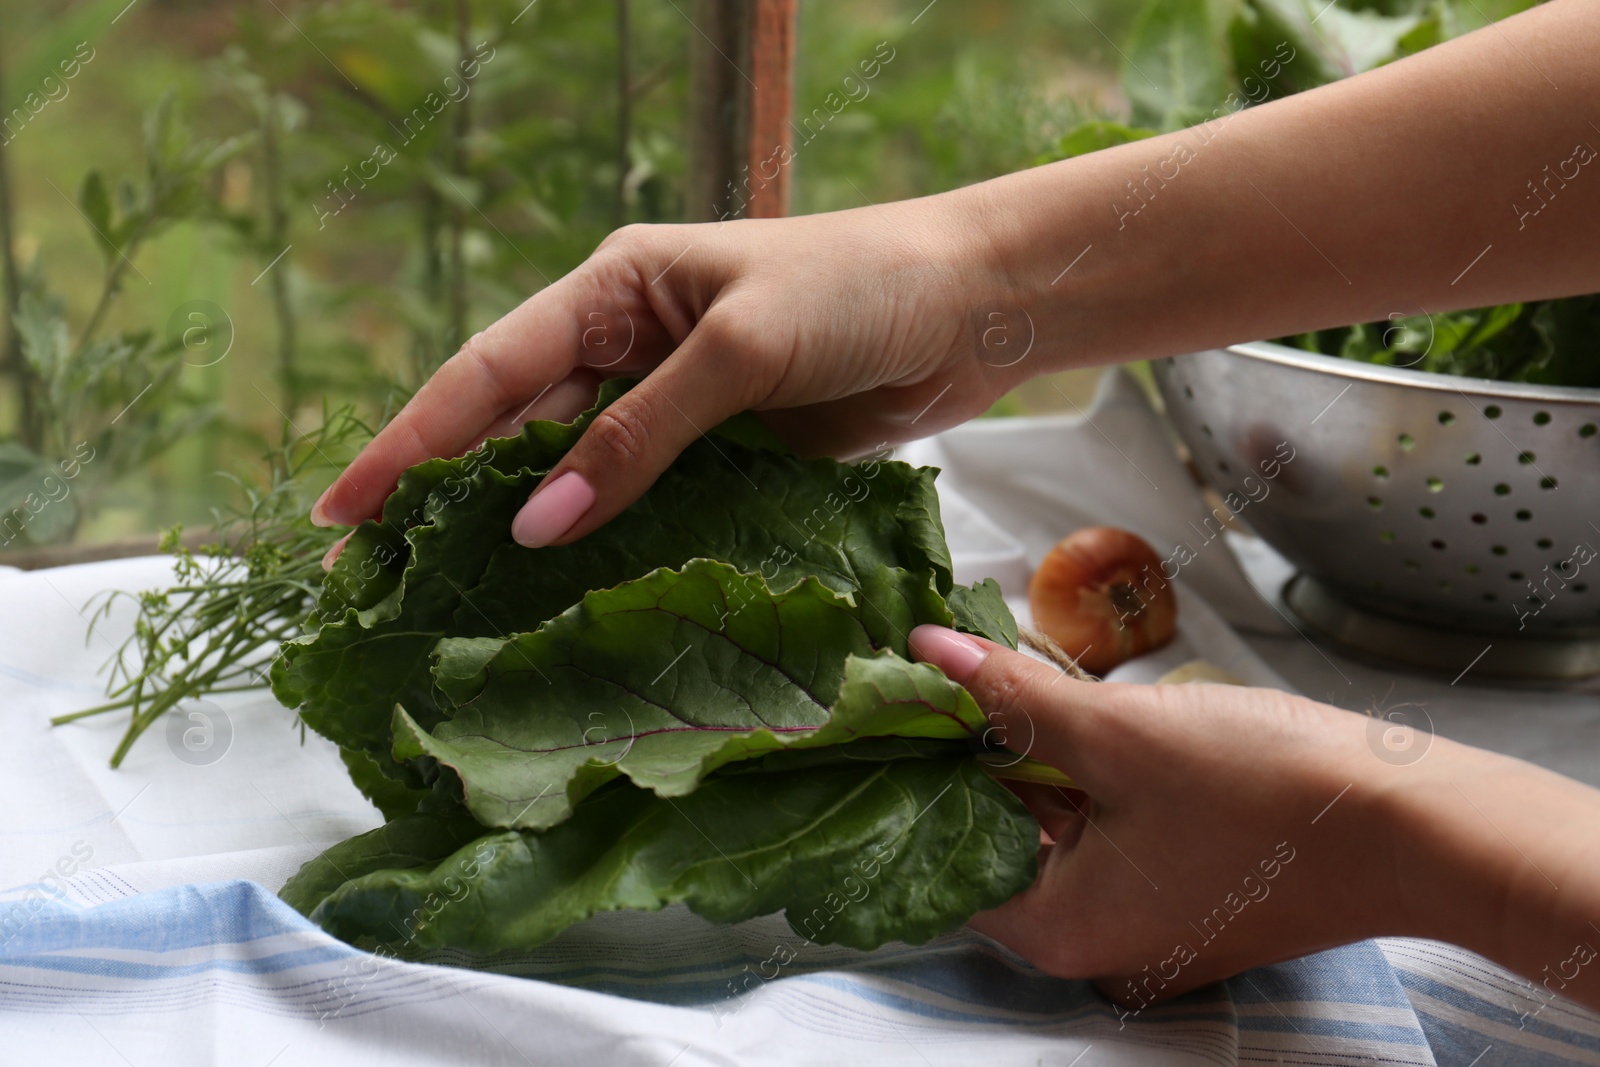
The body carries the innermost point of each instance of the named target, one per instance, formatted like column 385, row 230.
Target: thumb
column 633, row 440
column 1029, row 704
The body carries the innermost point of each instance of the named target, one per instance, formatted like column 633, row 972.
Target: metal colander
column 1431, row 517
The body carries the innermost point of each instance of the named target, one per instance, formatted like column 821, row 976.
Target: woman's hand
column 1219, row 828
column 850, row 330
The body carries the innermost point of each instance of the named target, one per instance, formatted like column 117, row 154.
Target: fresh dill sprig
column 235, row 599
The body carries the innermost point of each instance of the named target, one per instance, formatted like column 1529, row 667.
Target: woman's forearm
column 1503, row 858
column 1463, row 176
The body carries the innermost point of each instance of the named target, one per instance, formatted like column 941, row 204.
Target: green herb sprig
column 234, row 599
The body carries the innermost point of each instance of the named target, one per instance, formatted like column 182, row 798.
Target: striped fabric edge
column 227, row 943
column 844, row 1007
column 1469, row 1006
column 898, row 989
column 1324, row 1031
column 235, row 943
column 232, row 943
column 1343, row 1005
column 253, row 954
column 1327, row 1034
column 1180, row 1034
column 696, row 980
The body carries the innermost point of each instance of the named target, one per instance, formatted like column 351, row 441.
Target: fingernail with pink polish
column 956, row 654
column 553, row 510
column 318, row 516
column 333, row 552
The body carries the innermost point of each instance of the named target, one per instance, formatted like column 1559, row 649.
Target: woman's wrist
column 1001, row 322
column 1499, row 856
column 1073, row 257
column 1027, row 246
column 1448, row 875
column 1420, row 836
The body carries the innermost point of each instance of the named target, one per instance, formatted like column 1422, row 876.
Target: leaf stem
column 1008, row 767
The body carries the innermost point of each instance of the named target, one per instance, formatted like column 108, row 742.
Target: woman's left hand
column 1217, row 828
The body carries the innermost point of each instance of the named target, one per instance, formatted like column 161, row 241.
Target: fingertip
column 319, row 510
column 554, row 508
column 958, row 655
column 1017, row 694
column 333, row 552
column 339, row 504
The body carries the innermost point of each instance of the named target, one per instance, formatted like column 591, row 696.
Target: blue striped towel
column 225, row 973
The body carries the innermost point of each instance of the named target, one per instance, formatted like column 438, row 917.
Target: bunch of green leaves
column 1193, row 61
column 708, row 700
column 235, row 599
column 1551, row 342
column 107, row 403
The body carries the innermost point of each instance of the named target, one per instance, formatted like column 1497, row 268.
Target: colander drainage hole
column 1375, row 503
column 1471, row 568
column 1222, row 465
column 1412, row 565
column 1544, row 542
column 1492, row 411
column 1407, row 442
column 1523, row 514
column 1580, row 588
column 1479, row 518
column 1502, row 489
column 1437, row 544
column 1541, row 418
column 1498, row 550
column 1588, row 429
column 1489, row 598
column 1206, row 430
column 1547, row 482
column 1473, row 459
column 1515, row 576
column 1446, row 418
column 1526, row 458
column 1380, row 471
column 1386, row 536
column 1447, row 586
column 1426, row 512
column 1435, row 485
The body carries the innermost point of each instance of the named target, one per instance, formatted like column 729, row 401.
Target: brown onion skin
column 1101, row 595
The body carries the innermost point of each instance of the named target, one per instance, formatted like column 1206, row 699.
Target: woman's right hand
column 848, row 330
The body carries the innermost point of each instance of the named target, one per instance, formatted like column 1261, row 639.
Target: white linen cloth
column 141, row 926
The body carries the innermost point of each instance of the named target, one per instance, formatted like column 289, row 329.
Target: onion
column 1102, row 596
